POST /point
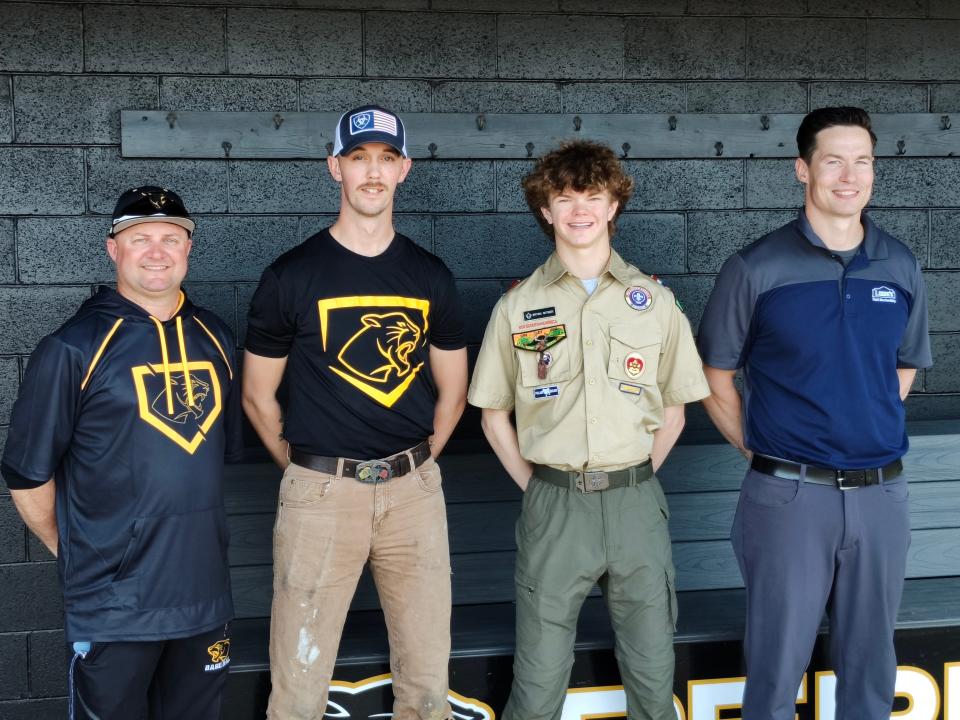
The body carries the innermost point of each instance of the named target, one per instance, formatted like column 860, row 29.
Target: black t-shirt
column 356, row 332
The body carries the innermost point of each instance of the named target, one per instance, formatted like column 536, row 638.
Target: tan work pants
column 328, row 527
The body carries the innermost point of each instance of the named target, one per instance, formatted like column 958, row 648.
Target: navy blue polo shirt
column 819, row 344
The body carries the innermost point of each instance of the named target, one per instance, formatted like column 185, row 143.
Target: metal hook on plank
column 481, row 122
column 672, row 122
column 626, row 149
column 277, row 121
column 718, row 146
column 171, row 119
column 577, row 123
column 945, row 122
column 530, row 147
column 227, row 147
column 901, row 147
column 329, row 147
column 432, row 147
column 764, row 122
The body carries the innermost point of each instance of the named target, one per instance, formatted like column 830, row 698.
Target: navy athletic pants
column 180, row 679
column 803, row 548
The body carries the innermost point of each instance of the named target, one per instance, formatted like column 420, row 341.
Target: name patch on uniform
column 639, row 298
column 884, row 294
column 546, row 391
column 539, row 313
column 630, row 389
column 536, row 324
column 541, row 339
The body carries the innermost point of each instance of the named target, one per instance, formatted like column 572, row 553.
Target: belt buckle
column 593, row 481
column 374, row 471
column 857, row 480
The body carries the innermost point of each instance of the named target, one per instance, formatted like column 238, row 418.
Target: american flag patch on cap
column 373, row 120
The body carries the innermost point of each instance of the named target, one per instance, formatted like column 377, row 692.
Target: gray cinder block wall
column 68, row 68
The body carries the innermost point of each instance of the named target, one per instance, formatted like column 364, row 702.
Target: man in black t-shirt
column 367, row 327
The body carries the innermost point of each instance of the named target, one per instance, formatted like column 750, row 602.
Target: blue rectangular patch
column 547, row 391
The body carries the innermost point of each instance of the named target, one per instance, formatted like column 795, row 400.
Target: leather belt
column 366, row 471
column 589, row 481
column 842, row 479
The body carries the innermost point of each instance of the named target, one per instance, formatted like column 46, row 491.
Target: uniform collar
column 554, row 269
column 874, row 245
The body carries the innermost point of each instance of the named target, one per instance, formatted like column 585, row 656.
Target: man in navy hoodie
column 114, row 460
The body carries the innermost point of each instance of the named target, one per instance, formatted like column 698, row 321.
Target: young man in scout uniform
column 827, row 318
column 596, row 360
column 368, row 329
column 114, row 460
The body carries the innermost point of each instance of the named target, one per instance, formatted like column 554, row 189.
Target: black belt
column 590, row 481
column 367, row 471
column 842, row 479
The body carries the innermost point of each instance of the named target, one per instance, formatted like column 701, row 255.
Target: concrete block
column 912, row 50
column 294, row 42
column 943, row 289
column 911, row 227
column 131, row 38
column 651, row 241
column 46, row 652
column 6, row 110
column 218, row 298
column 43, row 243
column 201, row 183
column 623, row 97
column 743, row 7
column 932, row 407
column 36, row 181
column 46, row 709
column 496, row 97
column 238, row 248
column 659, row 48
column 3, row 439
column 872, row 97
column 14, row 681
column 289, row 186
column 491, row 246
column 29, row 313
column 794, row 48
column 31, row 599
column 9, row 383
column 868, row 8
column 692, row 291
column 36, row 550
column 13, row 546
column 448, row 186
column 631, row 7
column 945, row 239
column 944, row 376
column 333, row 95
column 712, row 237
column 497, row 5
column 747, row 97
column 41, row 37
column 478, row 298
column 510, row 173
column 8, row 269
column 71, row 109
column 944, row 9
column 945, row 98
column 773, row 184
column 228, row 94
column 418, row 228
column 916, row 182
column 561, row 46
column 686, row 184
column 244, row 296
column 430, row 45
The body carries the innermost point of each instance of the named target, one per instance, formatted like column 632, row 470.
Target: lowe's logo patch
column 884, row 294
column 546, row 391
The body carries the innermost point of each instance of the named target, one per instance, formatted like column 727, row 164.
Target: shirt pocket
column 634, row 356
column 557, row 371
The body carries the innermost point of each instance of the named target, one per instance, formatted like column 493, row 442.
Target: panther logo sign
column 186, row 425
column 378, row 354
column 372, row 698
column 219, row 651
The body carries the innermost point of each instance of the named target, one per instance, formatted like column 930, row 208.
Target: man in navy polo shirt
column 827, row 319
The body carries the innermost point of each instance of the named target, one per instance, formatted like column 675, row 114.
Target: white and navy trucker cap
column 368, row 124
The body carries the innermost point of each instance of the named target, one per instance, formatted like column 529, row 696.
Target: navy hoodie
column 128, row 413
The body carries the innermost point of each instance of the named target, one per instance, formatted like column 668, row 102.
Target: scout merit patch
column 538, row 341
column 633, row 364
column 639, row 298
column 547, row 391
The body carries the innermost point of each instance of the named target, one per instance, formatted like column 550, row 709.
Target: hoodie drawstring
column 165, row 357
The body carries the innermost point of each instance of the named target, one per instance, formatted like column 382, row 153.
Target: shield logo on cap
column 361, row 120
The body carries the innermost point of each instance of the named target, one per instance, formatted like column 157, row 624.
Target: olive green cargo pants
column 566, row 542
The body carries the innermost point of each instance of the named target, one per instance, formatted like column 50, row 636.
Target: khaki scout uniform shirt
column 608, row 379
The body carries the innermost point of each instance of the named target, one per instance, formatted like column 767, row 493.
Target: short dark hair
column 823, row 118
column 577, row 165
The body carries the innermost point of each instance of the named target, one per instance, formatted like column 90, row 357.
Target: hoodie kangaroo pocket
column 178, row 560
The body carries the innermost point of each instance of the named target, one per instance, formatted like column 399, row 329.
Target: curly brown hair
column 577, row 165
